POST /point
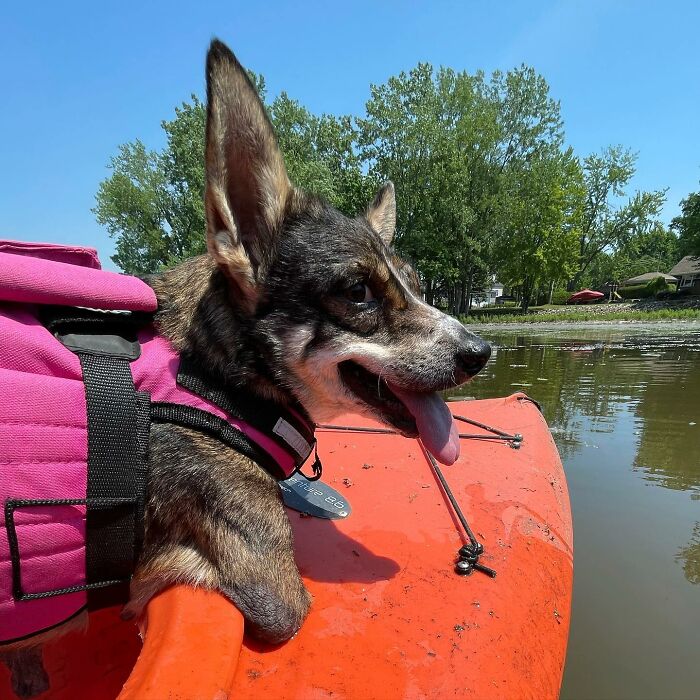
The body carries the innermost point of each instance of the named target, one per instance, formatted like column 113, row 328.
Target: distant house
column 495, row 291
column 488, row 296
column 687, row 271
column 648, row 277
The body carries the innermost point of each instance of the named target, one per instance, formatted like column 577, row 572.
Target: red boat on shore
column 585, row 296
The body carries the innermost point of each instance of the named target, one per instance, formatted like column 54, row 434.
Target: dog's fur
column 290, row 293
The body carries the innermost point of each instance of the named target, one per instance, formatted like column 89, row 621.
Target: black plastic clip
column 316, row 467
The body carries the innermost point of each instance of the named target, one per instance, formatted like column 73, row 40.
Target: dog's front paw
column 269, row 618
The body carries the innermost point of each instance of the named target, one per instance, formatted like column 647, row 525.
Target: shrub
column 658, row 284
column 583, row 316
column 560, row 296
column 673, row 293
column 634, row 291
column 644, row 291
column 668, row 292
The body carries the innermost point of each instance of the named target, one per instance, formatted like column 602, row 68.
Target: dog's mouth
column 413, row 414
column 372, row 390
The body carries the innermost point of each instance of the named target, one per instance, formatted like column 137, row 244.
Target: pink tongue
column 436, row 426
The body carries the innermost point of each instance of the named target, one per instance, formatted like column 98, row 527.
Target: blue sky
column 77, row 79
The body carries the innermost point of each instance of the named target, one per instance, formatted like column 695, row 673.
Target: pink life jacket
column 83, row 373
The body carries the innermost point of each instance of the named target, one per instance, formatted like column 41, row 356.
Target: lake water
column 623, row 403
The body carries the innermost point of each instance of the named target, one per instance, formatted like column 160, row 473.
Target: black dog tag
column 314, row 498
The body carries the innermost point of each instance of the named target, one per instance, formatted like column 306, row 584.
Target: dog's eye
column 359, row 293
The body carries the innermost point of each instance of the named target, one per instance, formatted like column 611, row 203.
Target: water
column 623, row 403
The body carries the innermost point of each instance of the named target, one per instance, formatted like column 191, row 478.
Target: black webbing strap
column 254, row 410
column 208, row 423
column 118, row 423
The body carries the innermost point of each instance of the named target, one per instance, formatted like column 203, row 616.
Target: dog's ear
column 381, row 214
column 247, row 185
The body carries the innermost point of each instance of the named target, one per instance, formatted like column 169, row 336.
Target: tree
column 687, row 225
column 608, row 225
column 449, row 141
column 541, row 211
column 153, row 202
column 655, row 250
column 320, row 155
column 484, row 185
column 504, row 124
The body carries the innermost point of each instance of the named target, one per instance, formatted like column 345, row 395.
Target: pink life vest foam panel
column 44, row 431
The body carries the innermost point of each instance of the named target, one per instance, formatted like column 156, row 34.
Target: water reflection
column 623, row 404
column 689, row 556
column 591, row 376
column 669, row 413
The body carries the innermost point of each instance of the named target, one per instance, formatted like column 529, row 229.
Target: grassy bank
column 579, row 316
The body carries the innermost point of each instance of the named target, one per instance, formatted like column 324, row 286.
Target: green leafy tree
column 484, row 185
column 449, row 141
column 320, row 155
column 655, row 250
column 153, row 202
column 540, row 223
column 687, row 225
column 504, row 123
column 607, row 224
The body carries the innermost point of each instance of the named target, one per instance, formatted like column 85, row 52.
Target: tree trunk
column 429, row 294
column 470, row 284
column 551, row 291
column 573, row 282
column 451, row 297
column 527, row 293
column 463, row 289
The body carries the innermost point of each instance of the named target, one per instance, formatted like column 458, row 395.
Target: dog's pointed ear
column 381, row 214
column 246, row 182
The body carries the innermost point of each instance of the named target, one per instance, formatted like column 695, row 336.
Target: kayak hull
column 390, row 618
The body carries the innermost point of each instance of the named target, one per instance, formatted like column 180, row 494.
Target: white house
column 488, row 296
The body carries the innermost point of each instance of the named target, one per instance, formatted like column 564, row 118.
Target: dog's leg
column 172, row 564
column 272, row 596
column 262, row 581
column 254, row 549
column 215, row 519
column 29, row 677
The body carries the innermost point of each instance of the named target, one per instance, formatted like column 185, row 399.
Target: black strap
column 204, row 422
column 66, row 319
column 263, row 415
column 118, row 424
column 316, row 467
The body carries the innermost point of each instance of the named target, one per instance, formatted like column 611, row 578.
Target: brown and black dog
column 294, row 302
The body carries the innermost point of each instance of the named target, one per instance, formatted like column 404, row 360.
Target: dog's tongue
column 436, row 427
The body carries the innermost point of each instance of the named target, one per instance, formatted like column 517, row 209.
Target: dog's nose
column 471, row 358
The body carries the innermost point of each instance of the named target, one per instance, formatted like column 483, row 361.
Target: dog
column 296, row 303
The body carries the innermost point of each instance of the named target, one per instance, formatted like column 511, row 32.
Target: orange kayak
column 391, row 618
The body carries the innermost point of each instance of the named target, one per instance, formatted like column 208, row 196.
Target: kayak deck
column 390, row 618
